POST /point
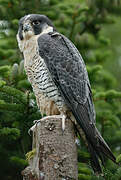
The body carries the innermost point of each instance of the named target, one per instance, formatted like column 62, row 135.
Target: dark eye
column 36, row 22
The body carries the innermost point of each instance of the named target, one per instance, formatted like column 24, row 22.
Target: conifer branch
column 19, row 95
column 11, row 107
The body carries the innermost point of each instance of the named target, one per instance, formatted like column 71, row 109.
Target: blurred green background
column 94, row 26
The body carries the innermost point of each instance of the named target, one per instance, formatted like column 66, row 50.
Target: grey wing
column 67, row 70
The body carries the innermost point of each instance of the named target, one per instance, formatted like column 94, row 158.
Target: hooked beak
column 26, row 28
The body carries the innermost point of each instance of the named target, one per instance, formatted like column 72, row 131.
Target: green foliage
column 19, row 162
column 2, row 83
column 117, row 175
column 118, row 159
column 111, row 94
column 90, row 25
column 19, row 95
column 84, row 177
column 9, row 133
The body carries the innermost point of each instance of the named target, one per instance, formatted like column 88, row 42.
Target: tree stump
column 56, row 151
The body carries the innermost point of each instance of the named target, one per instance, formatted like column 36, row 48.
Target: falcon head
column 32, row 25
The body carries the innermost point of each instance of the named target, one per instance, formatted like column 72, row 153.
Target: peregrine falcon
column 60, row 81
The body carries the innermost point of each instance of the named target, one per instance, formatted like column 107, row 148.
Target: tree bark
column 56, row 151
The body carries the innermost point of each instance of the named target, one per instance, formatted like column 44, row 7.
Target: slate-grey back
column 69, row 74
column 67, row 69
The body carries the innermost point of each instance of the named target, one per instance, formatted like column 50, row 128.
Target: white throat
column 22, row 43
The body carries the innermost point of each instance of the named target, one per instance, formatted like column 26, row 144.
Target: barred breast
column 44, row 82
column 48, row 97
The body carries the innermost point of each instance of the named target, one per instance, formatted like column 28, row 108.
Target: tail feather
column 94, row 160
column 104, row 148
column 97, row 147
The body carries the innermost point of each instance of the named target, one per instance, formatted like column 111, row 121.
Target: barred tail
column 97, row 147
